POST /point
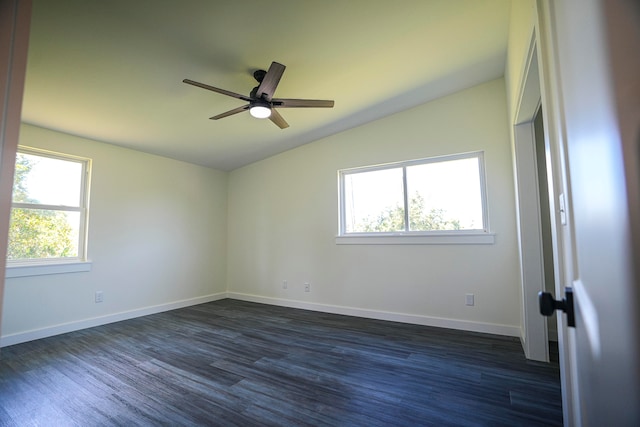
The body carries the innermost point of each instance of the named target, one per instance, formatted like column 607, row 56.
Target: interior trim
column 64, row 328
column 25, row 270
column 457, row 238
column 465, row 325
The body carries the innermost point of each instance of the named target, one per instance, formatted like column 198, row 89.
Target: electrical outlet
column 99, row 296
column 307, row 287
column 285, row 285
column 470, row 299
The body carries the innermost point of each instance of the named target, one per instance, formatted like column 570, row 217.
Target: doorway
column 545, row 229
column 534, row 338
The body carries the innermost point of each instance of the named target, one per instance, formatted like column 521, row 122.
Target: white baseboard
column 35, row 334
column 465, row 325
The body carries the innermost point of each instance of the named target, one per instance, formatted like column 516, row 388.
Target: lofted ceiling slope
column 112, row 70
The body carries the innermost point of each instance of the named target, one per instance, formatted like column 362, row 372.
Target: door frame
column 534, row 326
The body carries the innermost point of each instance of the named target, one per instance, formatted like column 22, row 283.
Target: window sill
column 419, row 239
column 26, row 269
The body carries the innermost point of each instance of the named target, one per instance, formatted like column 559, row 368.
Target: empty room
column 316, row 213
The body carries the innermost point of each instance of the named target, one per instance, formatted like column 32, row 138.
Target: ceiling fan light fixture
column 260, row 111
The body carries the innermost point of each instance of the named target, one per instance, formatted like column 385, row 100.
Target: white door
column 597, row 45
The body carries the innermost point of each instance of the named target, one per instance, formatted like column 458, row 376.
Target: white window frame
column 475, row 236
column 44, row 266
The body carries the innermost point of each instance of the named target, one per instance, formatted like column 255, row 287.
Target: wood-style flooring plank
column 235, row 363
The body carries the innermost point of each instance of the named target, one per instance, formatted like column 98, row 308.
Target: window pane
column 374, row 201
column 445, row 195
column 47, row 181
column 38, row 233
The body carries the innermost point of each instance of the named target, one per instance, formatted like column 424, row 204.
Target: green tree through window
column 392, row 219
column 41, row 230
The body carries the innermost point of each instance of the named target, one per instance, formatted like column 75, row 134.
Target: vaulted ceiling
column 112, row 70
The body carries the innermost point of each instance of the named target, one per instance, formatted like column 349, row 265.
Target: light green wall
column 157, row 236
column 283, row 221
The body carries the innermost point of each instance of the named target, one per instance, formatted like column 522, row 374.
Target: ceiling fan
column 261, row 102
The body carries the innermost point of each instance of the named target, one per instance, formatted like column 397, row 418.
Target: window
column 440, row 196
column 49, row 208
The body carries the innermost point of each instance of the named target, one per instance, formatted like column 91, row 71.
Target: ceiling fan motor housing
column 259, row 75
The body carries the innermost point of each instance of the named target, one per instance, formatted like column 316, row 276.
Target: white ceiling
column 113, row 70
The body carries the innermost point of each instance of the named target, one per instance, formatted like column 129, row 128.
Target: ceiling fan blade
column 302, row 103
column 215, row 89
column 270, row 82
column 231, row 112
column 276, row 118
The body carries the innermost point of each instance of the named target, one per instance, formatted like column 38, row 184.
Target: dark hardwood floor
column 234, row 363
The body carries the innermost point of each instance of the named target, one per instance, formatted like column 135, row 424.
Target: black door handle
column 548, row 305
